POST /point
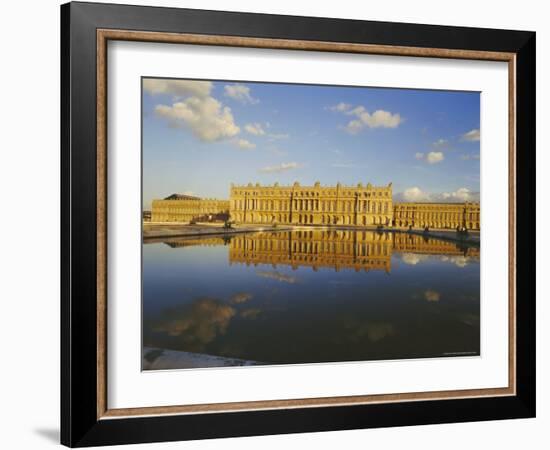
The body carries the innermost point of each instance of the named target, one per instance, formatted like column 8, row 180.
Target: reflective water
column 312, row 296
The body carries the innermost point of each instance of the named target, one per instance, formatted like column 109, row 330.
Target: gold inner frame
column 103, row 36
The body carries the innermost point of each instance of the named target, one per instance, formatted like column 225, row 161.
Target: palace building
column 437, row 215
column 187, row 208
column 312, row 205
column 360, row 205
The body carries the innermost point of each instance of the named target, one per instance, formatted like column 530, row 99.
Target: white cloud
column 255, row 128
column 461, row 195
column 244, row 144
column 440, row 143
column 340, row 107
column 431, row 157
column 378, row 119
column 206, row 117
column 177, row 87
column 435, row 157
column 471, row 136
column 241, row 93
column 467, row 157
column 354, row 126
column 415, row 194
column 283, row 167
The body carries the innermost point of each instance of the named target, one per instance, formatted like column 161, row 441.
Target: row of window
column 188, row 211
column 331, row 193
column 367, row 206
column 191, row 203
column 307, row 247
column 399, row 207
column 400, row 215
column 324, row 235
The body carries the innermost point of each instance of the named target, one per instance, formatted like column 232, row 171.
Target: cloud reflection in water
column 198, row 324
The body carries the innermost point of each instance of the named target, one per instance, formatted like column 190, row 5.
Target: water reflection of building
column 187, row 208
column 191, row 242
column 413, row 243
column 337, row 249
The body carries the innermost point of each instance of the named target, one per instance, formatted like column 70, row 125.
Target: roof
column 181, row 197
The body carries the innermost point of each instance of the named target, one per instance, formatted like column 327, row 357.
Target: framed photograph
column 276, row 224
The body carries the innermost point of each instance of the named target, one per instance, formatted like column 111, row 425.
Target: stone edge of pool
column 161, row 359
column 181, row 232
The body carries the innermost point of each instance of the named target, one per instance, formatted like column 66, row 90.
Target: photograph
column 271, row 225
column 304, row 224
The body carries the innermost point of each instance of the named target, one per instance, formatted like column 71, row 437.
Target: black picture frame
column 80, row 425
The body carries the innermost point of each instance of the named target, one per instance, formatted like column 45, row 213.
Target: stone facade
column 437, row 215
column 344, row 205
column 312, row 205
column 360, row 205
column 185, row 209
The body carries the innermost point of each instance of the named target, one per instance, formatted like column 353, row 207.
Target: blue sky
column 199, row 136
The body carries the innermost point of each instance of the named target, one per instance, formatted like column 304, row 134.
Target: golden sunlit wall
column 361, row 205
column 437, row 215
column 188, row 210
column 312, row 205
